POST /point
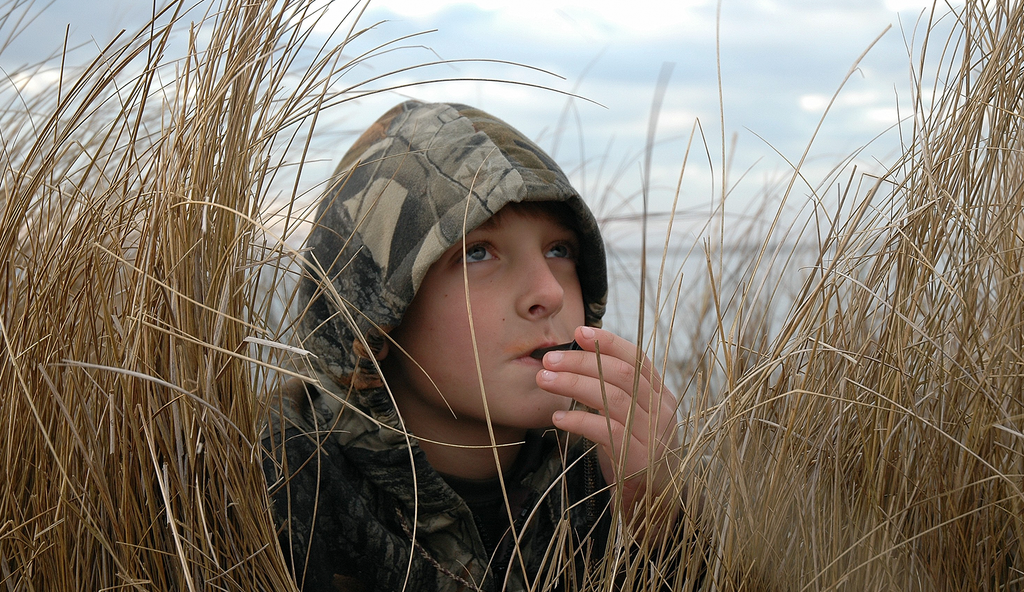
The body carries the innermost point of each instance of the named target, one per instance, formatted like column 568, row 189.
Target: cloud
column 34, row 82
column 590, row 20
column 913, row 5
column 781, row 61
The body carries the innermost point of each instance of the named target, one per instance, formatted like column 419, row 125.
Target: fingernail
column 554, row 357
column 558, row 415
column 588, row 332
column 547, row 376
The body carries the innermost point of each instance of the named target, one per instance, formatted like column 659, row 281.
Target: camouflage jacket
column 356, row 516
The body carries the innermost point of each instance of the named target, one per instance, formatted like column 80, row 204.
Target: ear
column 382, row 352
column 381, row 342
column 366, row 375
column 378, row 343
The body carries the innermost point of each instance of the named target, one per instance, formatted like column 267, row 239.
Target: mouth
column 538, row 354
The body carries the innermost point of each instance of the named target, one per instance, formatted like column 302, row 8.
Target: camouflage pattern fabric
column 359, row 505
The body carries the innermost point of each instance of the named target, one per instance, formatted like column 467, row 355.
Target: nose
column 541, row 293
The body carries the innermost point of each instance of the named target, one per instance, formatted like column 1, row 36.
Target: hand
column 627, row 447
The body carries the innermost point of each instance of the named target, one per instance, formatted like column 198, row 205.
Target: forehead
column 552, row 211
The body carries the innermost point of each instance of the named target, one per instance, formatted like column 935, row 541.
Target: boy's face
column 520, row 267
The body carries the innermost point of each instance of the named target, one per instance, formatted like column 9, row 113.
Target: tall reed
column 135, row 201
column 872, row 439
column 877, row 442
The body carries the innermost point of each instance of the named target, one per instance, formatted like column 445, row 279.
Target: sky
column 754, row 76
column 779, row 62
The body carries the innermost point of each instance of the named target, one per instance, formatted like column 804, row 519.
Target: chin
column 533, row 412
column 541, row 419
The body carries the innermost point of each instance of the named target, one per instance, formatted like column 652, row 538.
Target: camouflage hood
column 410, row 187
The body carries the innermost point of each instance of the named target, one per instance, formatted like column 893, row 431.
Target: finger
column 599, row 429
column 612, row 345
column 666, row 416
column 617, row 375
column 589, row 391
column 610, row 438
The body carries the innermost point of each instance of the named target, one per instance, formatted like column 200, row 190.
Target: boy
column 449, row 252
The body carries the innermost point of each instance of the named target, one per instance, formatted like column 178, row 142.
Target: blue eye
column 477, row 253
column 559, row 251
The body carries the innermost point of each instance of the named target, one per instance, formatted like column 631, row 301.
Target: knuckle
column 623, row 370
column 573, row 420
column 618, row 399
column 573, row 380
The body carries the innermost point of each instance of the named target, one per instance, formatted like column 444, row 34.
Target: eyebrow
column 530, row 210
column 492, row 222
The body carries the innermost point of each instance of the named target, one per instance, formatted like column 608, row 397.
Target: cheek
column 450, row 328
column 430, row 326
column 574, row 306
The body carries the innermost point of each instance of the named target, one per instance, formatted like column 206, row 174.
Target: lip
column 538, row 353
column 526, row 351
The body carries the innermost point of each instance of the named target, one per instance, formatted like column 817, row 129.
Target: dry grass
column 874, row 441
column 133, row 205
column 877, row 443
